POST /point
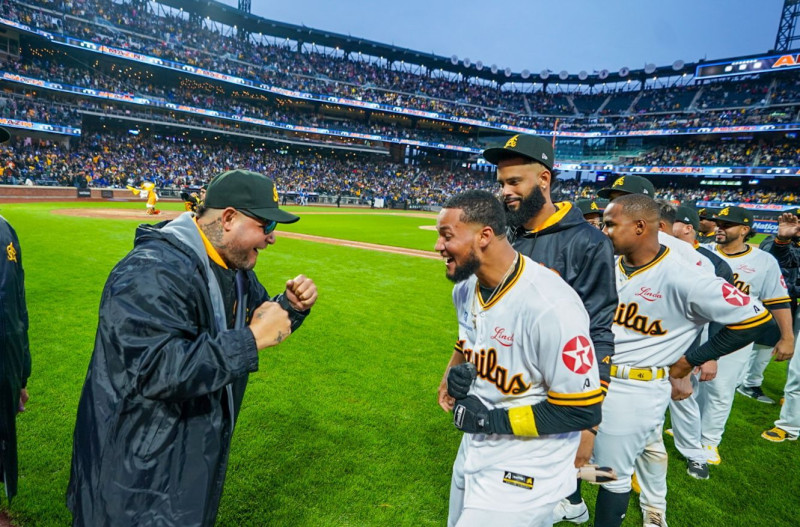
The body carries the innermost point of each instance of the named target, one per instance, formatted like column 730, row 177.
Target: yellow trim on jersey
column 646, row 267
column 212, row 252
column 738, row 255
column 522, row 421
column 562, row 207
column 752, row 322
column 576, row 399
column 779, row 300
column 505, row 288
column 459, row 347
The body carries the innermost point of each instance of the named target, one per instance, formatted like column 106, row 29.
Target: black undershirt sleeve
column 727, row 341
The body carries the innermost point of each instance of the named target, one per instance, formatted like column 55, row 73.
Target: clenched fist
column 270, row 325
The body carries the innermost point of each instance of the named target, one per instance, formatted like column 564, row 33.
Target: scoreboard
column 749, row 66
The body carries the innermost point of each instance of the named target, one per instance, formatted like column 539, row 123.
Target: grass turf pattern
column 340, row 425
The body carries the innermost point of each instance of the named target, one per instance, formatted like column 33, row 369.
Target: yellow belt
column 638, row 374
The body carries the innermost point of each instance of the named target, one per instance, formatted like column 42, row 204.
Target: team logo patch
column 594, row 206
column 724, row 212
column 619, row 182
column 275, row 194
column 502, row 338
column 11, row 252
column 733, row 296
column 578, row 354
column 783, row 282
column 511, row 143
column 518, row 480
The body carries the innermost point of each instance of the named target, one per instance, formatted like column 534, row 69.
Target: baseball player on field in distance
column 523, row 375
column 756, row 273
column 685, row 413
column 652, row 335
column 786, row 248
column 707, row 230
column 557, row 236
column 592, row 210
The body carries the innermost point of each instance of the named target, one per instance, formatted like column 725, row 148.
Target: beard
column 529, row 206
column 466, row 269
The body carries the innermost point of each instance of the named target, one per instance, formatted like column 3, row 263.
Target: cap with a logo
column 247, row 191
column 738, row 215
column 591, row 206
column 629, row 184
column 687, row 215
column 530, row 146
column 705, row 214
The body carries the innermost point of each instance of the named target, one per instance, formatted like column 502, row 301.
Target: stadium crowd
column 325, row 73
column 173, row 162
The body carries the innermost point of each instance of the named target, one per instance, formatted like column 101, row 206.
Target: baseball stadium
column 120, row 113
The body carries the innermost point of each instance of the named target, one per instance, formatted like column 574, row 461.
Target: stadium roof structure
column 232, row 16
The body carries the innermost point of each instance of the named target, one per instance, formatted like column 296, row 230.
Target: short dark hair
column 479, row 206
column 668, row 212
column 639, row 206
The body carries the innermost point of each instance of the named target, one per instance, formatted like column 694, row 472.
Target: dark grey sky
column 533, row 34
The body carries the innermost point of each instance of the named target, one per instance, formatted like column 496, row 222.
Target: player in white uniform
column 685, row 414
column 652, row 333
column 523, row 376
column 756, row 273
column 787, row 427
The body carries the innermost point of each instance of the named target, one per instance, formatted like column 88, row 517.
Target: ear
column 227, row 218
column 545, row 179
column 640, row 227
column 486, row 236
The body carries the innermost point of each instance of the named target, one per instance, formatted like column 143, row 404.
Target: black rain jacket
column 15, row 357
column 584, row 257
column 164, row 387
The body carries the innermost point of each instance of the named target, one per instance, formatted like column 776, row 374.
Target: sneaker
column 669, row 432
column 778, row 435
column 653, row 518
column 712, row 454
column 697, row 469
column 567, row 512
column 754, row 392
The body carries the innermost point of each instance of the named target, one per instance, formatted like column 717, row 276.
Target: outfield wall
column 34, row 192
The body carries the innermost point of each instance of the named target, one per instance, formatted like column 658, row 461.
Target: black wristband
column 592, row 430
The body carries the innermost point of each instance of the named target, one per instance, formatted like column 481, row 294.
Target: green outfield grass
column 340, row 424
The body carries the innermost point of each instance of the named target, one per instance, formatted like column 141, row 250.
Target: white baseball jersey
column 663, row 306
column 756, row 273
column 529, row 343
column 687, row 252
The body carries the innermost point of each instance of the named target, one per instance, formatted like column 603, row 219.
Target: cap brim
column 4, row 135
column 492, row 155
column 274, row 214
column 605, row 193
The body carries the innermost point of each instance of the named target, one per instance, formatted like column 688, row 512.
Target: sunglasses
column 268, row 227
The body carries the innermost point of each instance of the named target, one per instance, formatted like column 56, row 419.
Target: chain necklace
column 476, row 300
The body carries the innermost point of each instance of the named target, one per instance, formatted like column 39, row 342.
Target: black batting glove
column 459, row 379
column 471, row 416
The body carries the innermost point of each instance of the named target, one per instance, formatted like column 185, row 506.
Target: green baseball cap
column 248, row 191
column 687, row 215
column 629, row 184
column 738, row 215
column 591, row 206
column 530, row 146
column 705, row 214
